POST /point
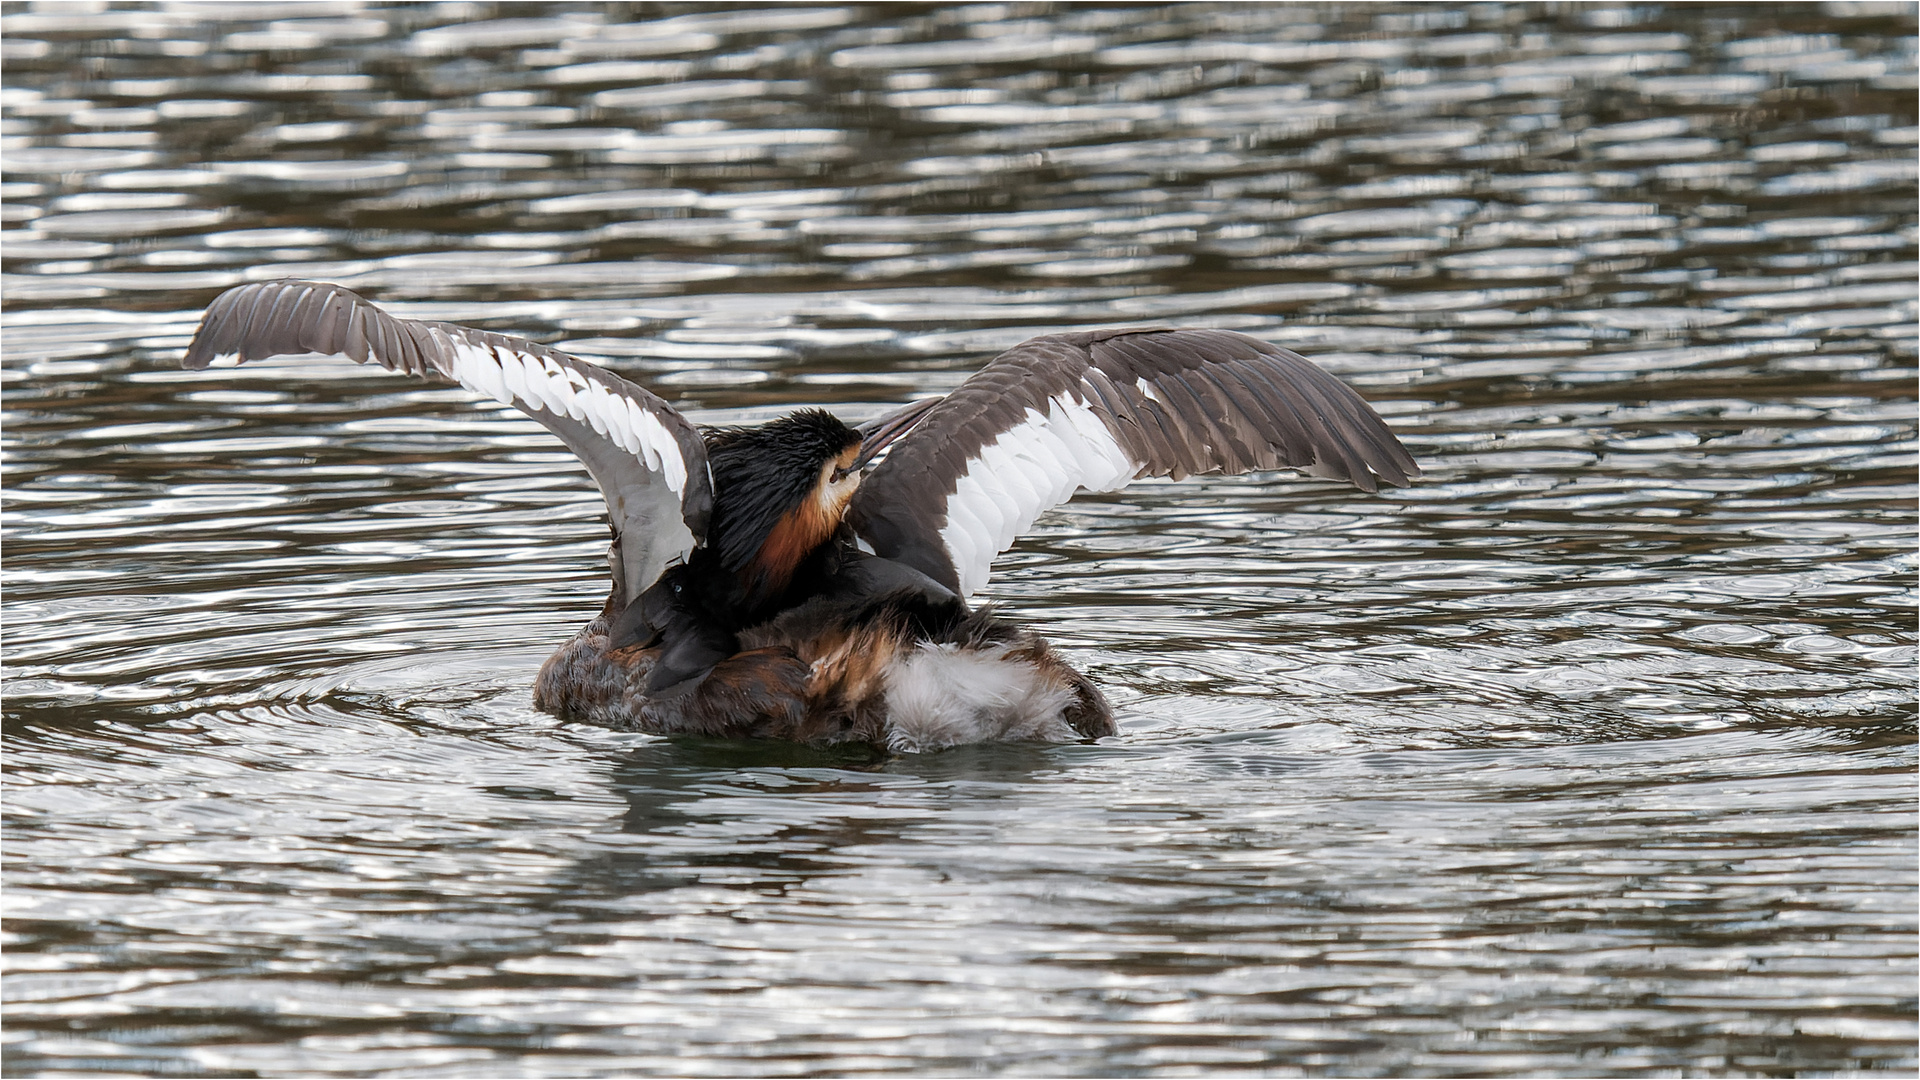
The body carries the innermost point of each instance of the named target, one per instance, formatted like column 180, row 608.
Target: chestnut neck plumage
column 780, row 491
column 776, row 541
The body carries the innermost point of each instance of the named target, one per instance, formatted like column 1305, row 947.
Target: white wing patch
column 1031, row 468
column 537, row 384
column 651, row 529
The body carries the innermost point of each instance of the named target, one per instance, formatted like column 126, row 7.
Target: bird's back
column 879, row 654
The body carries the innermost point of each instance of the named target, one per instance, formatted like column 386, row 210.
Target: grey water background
column 1592, row 754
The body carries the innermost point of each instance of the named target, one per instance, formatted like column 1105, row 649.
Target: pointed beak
column 882, row 433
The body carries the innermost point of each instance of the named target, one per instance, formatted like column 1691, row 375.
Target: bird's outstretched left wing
column 650, row 463
column 1093, row 411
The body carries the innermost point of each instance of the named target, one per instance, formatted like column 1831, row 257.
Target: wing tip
column 236, row 325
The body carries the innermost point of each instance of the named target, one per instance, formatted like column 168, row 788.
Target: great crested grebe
column 774, row 582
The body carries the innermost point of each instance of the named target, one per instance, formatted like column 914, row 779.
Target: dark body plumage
column 761, row 588
column 815, row 672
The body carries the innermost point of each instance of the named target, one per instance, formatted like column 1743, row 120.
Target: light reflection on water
column 1590, row 754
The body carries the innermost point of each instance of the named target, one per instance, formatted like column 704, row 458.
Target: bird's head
column 781, row 489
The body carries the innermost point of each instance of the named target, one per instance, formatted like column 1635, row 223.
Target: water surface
column 1591, row 754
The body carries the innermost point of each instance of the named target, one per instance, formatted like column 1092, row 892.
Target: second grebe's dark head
column 779, row 490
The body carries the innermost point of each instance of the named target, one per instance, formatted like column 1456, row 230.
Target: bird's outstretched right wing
column 1093, row 411
column 650, row 463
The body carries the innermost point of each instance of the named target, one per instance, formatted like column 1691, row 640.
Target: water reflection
column 1590, row 754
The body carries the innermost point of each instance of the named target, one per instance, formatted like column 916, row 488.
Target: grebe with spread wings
column 807, row 580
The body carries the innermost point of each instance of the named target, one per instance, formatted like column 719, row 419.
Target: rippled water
column 1592, row 754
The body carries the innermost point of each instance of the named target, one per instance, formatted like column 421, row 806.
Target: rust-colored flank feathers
column 763, row 589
